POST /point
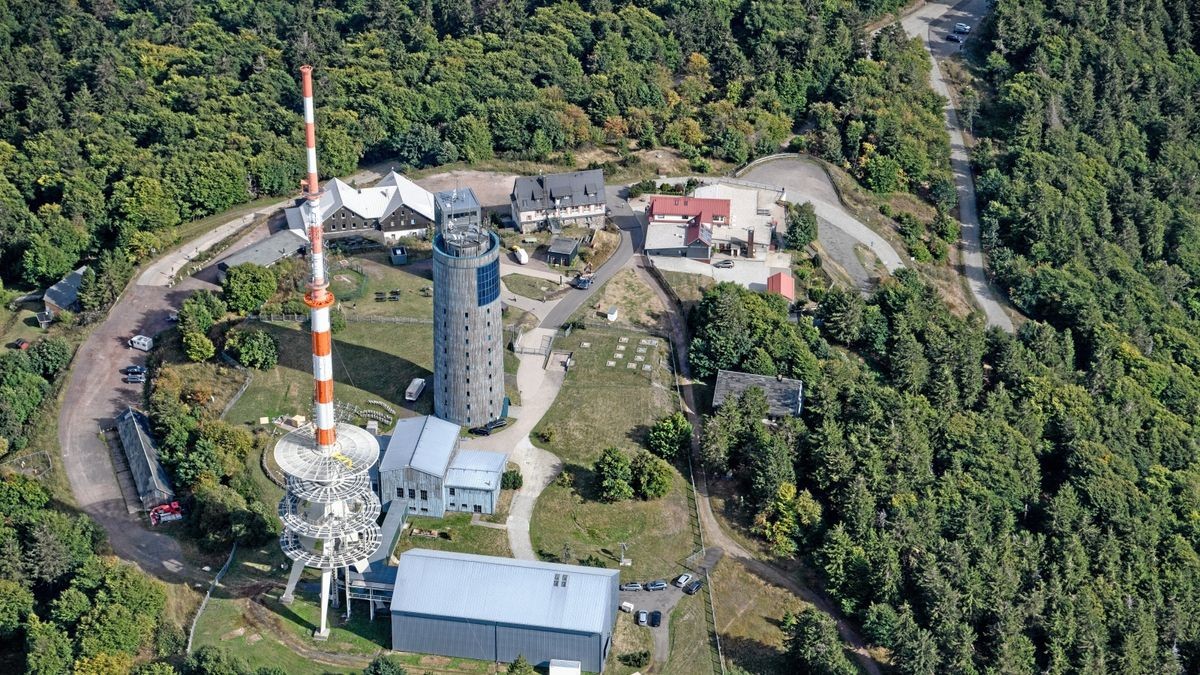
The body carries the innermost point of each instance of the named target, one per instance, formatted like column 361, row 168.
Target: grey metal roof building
column 425, row 443
column 563, row 251
column 424, row 468
column 65, row 293
column 153, row 485
column 785, row 397
column 496, row 609
column 282, row 244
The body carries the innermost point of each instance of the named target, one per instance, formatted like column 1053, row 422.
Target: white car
column 962, row 28
column 682, row 580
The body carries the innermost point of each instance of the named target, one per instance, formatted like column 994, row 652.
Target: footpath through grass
column 603, row 405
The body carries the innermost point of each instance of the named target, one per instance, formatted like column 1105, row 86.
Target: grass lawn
column 748, row 614
column 691, row 651
column 414, row 300
column 511, row 363
column 599, row 406
column 463, row 537
column 370, row 361
column 638, row 306
column 530, row 287
column 689, row 287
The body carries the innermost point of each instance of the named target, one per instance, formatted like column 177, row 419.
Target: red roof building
column 783, row 284
column 689, row 210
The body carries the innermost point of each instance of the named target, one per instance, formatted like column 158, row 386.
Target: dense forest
column 121, row 119
column 985, row 502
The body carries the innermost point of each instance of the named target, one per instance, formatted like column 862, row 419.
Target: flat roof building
column 496, row 609
column 282, row 244
column 785, row 396
column 783, row 284
column 563, row 251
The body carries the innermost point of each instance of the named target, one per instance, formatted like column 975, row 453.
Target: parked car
column 659, row 585
column 723, row 264
column 691, row 588
column 583, row 282
column 141, row 342
column 631, row 586
column 135, row 379
column 481, row 431
column 962, row 28
column 655, row 619
column 682, row 580
column 497, row 424
column 134, row 370
column 173, row 317
column 642, row 618
column 955, row 37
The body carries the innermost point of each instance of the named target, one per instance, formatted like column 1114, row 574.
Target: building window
column 424, row 509
column 424, row 495
column 487, row 283
column 453, row 505
column 451, row 494
column 400, row 493
column 412, row 494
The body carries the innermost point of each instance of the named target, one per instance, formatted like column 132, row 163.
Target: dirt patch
column 435, row 661
column 637, row 305
column 491, row 188
column 237, row 632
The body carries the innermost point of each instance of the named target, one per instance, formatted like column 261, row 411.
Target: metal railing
column 203, row 603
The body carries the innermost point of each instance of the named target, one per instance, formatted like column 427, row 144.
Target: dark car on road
column 655, row 619
column 632, row 586
column 487, row 429
column 658, row 585
column 955, row 37
column 583, row 283
column 691, row 588
column 134, row 370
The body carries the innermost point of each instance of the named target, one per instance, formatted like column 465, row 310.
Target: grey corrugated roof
column 505, row 590
column 149, row 475
column 476, row 469
column 425, row 443
column 784, row 396
column 269, row 251
column 65, row 293
column 564, row 245
column 578, row 188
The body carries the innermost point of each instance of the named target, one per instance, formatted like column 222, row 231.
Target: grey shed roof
column 578, row 188
column 784, row 396
column 456, row 200
column 153, row 485
column 476, row 469
column 425, row 443
column 564, row 245
column 65, row 293
column 269, row 251
column 505, row 591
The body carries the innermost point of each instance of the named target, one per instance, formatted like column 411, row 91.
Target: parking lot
column 650, row 601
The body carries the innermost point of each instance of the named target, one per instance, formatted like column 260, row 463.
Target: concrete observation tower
column 329, row 510
column 468, row 330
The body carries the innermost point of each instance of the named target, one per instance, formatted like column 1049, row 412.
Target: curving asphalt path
column 932, row 23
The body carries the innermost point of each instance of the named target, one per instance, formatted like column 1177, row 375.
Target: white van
column 414, row 389
column 141, row 342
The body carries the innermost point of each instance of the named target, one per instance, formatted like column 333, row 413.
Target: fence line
column 351, row 318
column 203, row 603
column 694, row 499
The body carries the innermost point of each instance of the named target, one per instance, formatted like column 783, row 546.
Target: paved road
column 95, row 395
column 932, row 23
column 714, row 536
column 539, row 387
column 632, row 237
column 838, row 231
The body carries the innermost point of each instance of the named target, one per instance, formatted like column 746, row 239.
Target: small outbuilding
column 64, row 295
column 398, row 255
column 785, row 396
column 783, row 284
column 497, row 609
column 563, row 251
column 153, row 485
